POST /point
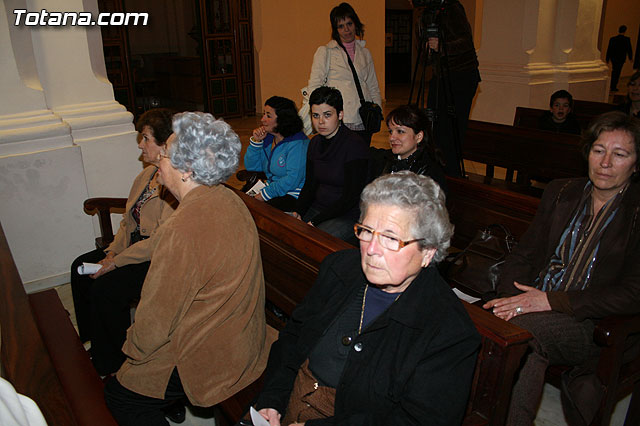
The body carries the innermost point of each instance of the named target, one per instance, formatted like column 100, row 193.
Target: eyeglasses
column 364, row 233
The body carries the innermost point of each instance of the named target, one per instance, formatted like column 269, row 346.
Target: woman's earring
column 184, row 179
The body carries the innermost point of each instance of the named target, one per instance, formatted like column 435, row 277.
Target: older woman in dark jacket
column 577, row 263
column 380, row 339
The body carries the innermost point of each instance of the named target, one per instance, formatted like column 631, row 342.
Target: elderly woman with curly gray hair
column 380, row 339
column 199, row 329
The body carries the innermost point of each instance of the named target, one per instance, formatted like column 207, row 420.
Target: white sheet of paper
column 89, row 268
column 256, row 418
column 465, row 296
column 257, row 187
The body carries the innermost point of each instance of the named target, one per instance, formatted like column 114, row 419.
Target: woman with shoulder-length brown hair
column 576, row 264
column 331, row 66
column 102, row 300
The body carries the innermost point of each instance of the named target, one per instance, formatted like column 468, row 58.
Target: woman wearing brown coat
column 576, row 264
column 199, row 329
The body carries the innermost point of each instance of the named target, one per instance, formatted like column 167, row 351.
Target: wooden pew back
column 585, row 111
column 591, row 108
column 532, row 152
column 291, row 254
column 528, row 117
column 42, row 355
column 473, row 206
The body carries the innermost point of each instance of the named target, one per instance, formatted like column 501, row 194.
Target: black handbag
column 370, row 112
column 476, row 269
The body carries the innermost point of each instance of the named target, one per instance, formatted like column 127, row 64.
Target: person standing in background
column 458, row 72
column 617, row 52
column 331, row 66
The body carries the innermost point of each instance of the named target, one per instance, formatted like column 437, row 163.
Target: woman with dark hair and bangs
column 337, row 162
column 411, row 147
column 331, row 66
column 279, row 149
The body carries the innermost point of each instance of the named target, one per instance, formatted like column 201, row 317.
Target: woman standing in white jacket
column 331, row 66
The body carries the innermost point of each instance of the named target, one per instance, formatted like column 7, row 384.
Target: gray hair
column 420, row 195
column 204, row 146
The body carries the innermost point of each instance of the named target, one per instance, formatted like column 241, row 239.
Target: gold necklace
column 364, row 299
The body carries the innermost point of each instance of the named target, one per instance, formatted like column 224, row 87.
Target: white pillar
column 543, row 46
column 63, row 138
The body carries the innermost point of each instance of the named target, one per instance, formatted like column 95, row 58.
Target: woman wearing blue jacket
column 279, row 149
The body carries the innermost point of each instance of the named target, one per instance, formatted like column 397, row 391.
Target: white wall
column 543, row 46
column 62, row 138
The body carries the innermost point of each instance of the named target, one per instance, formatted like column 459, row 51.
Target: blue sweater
column 285, row 166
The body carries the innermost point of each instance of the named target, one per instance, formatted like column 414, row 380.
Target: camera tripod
column 440, row 71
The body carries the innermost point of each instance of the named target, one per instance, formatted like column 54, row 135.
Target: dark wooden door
column 228, row 56
column 398, row 46
column 116, row 56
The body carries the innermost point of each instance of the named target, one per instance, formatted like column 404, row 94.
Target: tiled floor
column 550, row 412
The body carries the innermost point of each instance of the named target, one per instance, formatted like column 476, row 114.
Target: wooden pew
column 42, row 355
column 528, row 118
column 291, row 254
column 531, row 152
column 591, row 108
column 473, row 206
column 585, row 111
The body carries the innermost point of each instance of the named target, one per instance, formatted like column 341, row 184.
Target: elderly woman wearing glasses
column 199, row 330
column 380, row 339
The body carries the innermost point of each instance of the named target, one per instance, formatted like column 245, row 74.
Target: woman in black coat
column 411, row 147
column 380, row 339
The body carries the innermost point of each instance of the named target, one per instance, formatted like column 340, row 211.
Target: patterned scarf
column 148, row 192
column 570, row 265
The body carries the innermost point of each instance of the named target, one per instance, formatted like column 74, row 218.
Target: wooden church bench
column 42, row 355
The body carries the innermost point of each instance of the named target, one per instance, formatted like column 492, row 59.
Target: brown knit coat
column 202, row 303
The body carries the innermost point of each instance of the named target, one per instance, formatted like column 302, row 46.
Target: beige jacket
column 202, row 303
column 153, row 213
column 331, row 68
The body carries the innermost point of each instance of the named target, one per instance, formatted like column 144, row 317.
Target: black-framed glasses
column 366, row 234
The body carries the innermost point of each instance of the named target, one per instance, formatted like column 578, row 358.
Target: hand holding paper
column 89, row 268
column 257, row 419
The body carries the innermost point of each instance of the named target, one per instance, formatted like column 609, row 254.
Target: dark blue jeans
column 340, row 227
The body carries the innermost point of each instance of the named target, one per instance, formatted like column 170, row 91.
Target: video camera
column 429, row 23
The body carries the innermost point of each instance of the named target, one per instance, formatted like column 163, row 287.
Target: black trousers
column 102, row 308
column 463, row 87
column 286, row 203
column 131, row 408
column 616, row 69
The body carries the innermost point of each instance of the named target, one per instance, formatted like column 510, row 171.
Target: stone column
column 63, row 138
column 531, row 48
